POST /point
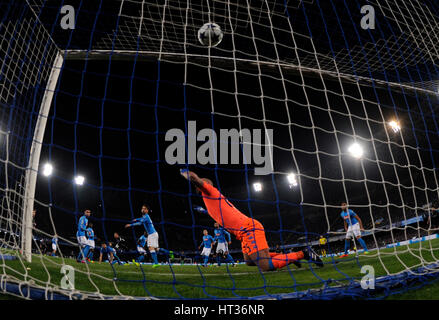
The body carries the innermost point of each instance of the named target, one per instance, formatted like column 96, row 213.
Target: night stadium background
column 111, row 112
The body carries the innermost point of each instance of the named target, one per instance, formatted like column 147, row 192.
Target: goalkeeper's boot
column 310, row 255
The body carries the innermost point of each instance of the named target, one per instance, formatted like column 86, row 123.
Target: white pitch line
column 207, row 274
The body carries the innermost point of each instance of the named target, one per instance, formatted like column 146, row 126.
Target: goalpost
column 34, row 157
column 88, row 98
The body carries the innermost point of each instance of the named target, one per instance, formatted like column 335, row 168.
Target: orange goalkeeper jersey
column 249, row 231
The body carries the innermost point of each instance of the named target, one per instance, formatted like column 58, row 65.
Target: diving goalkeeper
column 247, row 230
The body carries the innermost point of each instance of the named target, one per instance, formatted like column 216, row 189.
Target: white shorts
column 153, row 240
column 53, row 247
column 91, row 243
column 206, row 251
column 82, row 241
column 222, row 247
column 353, row 230
column 141, row 250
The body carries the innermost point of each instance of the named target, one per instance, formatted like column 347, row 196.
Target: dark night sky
column 122, row 167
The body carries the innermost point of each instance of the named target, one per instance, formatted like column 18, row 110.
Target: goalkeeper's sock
column 281, row 260
column 154, row 257
column 363, row 244
column 346, row 246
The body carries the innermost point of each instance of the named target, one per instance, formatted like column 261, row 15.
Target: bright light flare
column 79, row 180
column 292, row 181
column 394, row 126
column 257, row 187
column 356, row 150
column 47, row 169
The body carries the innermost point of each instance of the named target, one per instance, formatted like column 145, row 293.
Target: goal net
column 330, row 102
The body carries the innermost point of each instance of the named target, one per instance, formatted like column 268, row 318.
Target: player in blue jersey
column 153, row 236
column 91, row 241
column 110, row 252
column 113, row 251
column 54, row 245
column 353, row 226
column 81, row 236
column 207, row 245
column 222, row 247
column 141, row 243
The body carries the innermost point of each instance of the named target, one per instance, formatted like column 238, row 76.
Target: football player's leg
column 85, row 252
column 347, row 241
column 90, row 254
column 218, row 259
column 247, row 260
column 206, row 260
column 80, row 254
column 281, row 260
column 263, row 260
column 152, row 246
column 116, row 257
column 168, row 253
column 363, row 244
column 153, row 255
column 78, row 258
column 229, row 258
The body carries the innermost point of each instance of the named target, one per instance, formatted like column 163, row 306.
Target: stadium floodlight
column 356, row 150
column 47, row 169
column 79, row 180
column 394, row 126
column 292, row 180
column 257, row 186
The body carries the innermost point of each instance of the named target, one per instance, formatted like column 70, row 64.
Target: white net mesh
column 305, row 69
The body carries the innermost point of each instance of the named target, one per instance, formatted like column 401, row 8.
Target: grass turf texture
column 242, row 281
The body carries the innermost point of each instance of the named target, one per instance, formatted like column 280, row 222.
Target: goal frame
column 65, row 55
column 31, row 174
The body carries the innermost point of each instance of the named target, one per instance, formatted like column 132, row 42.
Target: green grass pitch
column 179, row 281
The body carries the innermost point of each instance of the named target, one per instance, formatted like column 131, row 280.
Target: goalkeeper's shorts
column 252, row 236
